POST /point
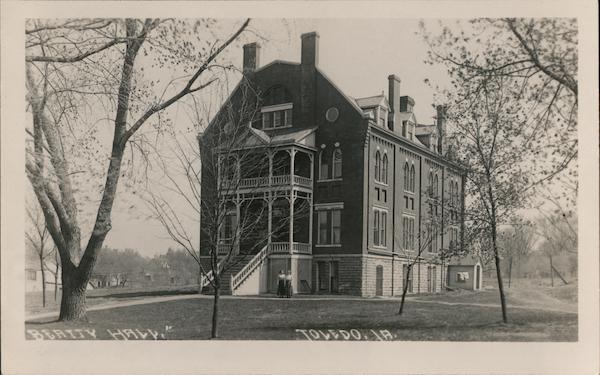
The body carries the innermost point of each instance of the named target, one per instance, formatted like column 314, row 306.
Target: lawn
column 309, row 318
column 33, row 300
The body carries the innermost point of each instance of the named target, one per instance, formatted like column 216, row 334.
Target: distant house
column 33, row 273
column 465, row 273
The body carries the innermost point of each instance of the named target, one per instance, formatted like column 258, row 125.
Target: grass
column 33, row 300
column 258, row 319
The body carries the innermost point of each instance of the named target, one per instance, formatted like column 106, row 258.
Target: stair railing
column 239, row 278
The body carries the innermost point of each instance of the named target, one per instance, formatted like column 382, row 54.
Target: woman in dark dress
column 280, row 284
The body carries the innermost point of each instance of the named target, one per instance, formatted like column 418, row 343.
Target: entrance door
column 333, row 278
column 379, row 281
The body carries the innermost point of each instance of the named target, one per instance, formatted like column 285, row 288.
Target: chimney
column 310, row 49
column 308, row 76
column 394, row 100
column 251, row 57
column 441, row 127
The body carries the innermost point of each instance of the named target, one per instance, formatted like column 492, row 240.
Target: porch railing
column 303, row 181
column 255, row 182
column 284, row 247
column 238, row 278
column 224, row 248
column 280, row 180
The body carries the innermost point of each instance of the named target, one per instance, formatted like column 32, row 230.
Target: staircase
column 239, row 262
column 242, row 267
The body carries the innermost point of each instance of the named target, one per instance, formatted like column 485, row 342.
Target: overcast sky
column 357, row 54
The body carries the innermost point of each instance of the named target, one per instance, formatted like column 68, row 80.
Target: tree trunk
column 73, row 304
column 215, row 314
column 404, row 290
column 499, row 276
column 56, row 259
column 43, row 281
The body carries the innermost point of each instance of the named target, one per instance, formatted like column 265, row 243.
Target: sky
column 357, row 54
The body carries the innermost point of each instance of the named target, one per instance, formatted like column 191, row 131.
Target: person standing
column 280, row 284
column 288, row 284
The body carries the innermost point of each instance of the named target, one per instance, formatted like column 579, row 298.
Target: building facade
column 347, row 193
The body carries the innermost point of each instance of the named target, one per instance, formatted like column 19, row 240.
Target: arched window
column 323, row 165
column 456, row 193
column 377, row 166
column 451, row 193
column 337, row 163
column 435, row 186
column 384, row 169
column 430, row 184
column 406, row 177
column 412, row 178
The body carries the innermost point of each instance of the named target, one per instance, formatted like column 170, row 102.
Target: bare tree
column 67, row 61
column 516, row 242
column 442, row 215
column 207, row 180
column 39, row 240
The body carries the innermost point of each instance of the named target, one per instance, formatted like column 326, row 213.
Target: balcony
column 264, row 182
column 280, row 168
column 284, row 248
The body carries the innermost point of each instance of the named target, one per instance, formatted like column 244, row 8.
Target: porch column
column 270, row 156
column 292, row 199
column 269, row 218
column 238, row 231
column 292, row 161
column 310, row 221
column 312, row 166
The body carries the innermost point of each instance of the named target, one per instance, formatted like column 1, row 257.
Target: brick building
column 370, row 177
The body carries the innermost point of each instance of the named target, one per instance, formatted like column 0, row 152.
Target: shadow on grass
column 150, row 293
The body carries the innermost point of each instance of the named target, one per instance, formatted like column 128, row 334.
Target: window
column 406, row 177
column 337, row 163
column 384, row 195
column 384, row 169
column 412, row 179
column 404, row 126
column 266, row 120
column 379, row 227
column 435, row 186
column 377, row 166
column 329, row 224
column 228, row 227
column 330, row 164
column 229, row 168
column 324, row 166
column 277, row 116
column 288, row 117
column 434, row 239
column 277, row 119
column 408, row 232
column 430, row 184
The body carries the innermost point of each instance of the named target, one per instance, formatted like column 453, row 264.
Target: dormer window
column 277, row 116
column 382, row 117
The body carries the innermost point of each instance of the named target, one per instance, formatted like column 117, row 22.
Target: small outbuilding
column 465, row 273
